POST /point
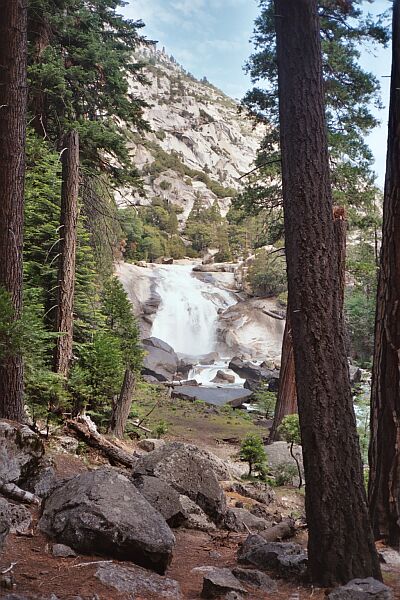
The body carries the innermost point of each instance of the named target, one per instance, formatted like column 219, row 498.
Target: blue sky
column 212, row 38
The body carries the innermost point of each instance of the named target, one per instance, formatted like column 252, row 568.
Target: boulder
column 362, row 589
column 222, row 377
column 138, row 582
column 278, row 455
column 190, row 471
column 284, row 557
column 255, row 374
column 20, row 518
column 163, row 498
column 355, row 374
column 102, row 512
column 20, row 452
column 5, row 521
column 256, row 490
column 216, row 396
column 196, row 518
column 44, row 481
column 255, row 578
column 160, row 360
column 63, row 551
column 149, row 445
column 240, row 519
column 218, row 582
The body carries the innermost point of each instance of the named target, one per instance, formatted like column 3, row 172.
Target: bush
column 265, row 399
column 267, row 274
column 285, row 473
column 252, row 451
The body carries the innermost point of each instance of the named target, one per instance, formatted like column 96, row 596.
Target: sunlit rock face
column 201, row 126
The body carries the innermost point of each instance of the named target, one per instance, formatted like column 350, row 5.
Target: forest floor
column 38, row 572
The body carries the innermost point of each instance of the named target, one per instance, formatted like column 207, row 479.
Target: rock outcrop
column 102, row 512
column 255, row 374
column 160, row 360
column 191, row 472
column 20, row 452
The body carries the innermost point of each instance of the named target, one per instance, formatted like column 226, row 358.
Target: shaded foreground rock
column 240, row 519
column 163, row 498
column 218, row 582
column 101, row 512
column 190, row 471
column 20, row 452
column 255, row 578
column 138, row 582
column 196, row 518
column 362, row 589
column 286, row 558
column 5, row 521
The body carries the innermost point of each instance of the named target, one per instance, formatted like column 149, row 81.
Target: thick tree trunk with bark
column 123, row 405
column 66, row 267
column 286, row 403
column 341, row 545
column 384, row 451
column 13, row 98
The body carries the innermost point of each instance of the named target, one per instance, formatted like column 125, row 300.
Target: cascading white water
column 188, row 313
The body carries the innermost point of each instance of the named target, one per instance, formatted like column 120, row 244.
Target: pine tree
column 13, row 102
column 337, row 522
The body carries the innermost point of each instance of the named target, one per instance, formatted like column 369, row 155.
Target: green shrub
column 267, row 274
column 252, row 451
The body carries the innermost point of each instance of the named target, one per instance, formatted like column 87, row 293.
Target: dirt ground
column 37, row 571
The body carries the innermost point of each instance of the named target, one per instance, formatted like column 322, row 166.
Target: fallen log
column 282, row 531
column 84, row 429
column 12, row 491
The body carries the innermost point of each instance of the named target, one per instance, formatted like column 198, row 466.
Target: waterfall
column 188, row 313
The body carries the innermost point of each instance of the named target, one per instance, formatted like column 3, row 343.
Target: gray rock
column 256, row 490
column 150, row 444
column 63, row 551
column 160, row 360
column 138, row 582
column 190, row 471
column 163, row 498
column 222, row 377
column 233, row 596
column 240, row 519
column 44, row 481
column 355, row 374
column 213, row 395
column 68, row 443
column 254, row 374
column 196, row 518
column 286, row 558
column 20, row 452
column 20, row 518
column 101, row 512
column 255, row 578
column 5, row 521
column 278, row 454
column 218, row 582
column 362, row 589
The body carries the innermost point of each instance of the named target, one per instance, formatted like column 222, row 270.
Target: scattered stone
column 20, row 518
column 5, row 521
column 63, row 551
column 254, row 374
column 68, row 443
column 216, row 396
column 255, row 578
column 214, row 554
column 256, row 490
column 150, row 444
column 286, row 558
column 218, row 582
column 362, row 589
column 102, row 512
column 138, row 582
column 20, row 452
column 190, row 471
column 196, row 518
column 240, row 519
column 222, row 377
column 163, row 498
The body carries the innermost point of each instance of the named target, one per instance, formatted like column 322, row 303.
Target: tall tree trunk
column 286, row 403
column 66, row 267
column 123, row 405
column 13, row 98
column 384, row 451
column 341, row 545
